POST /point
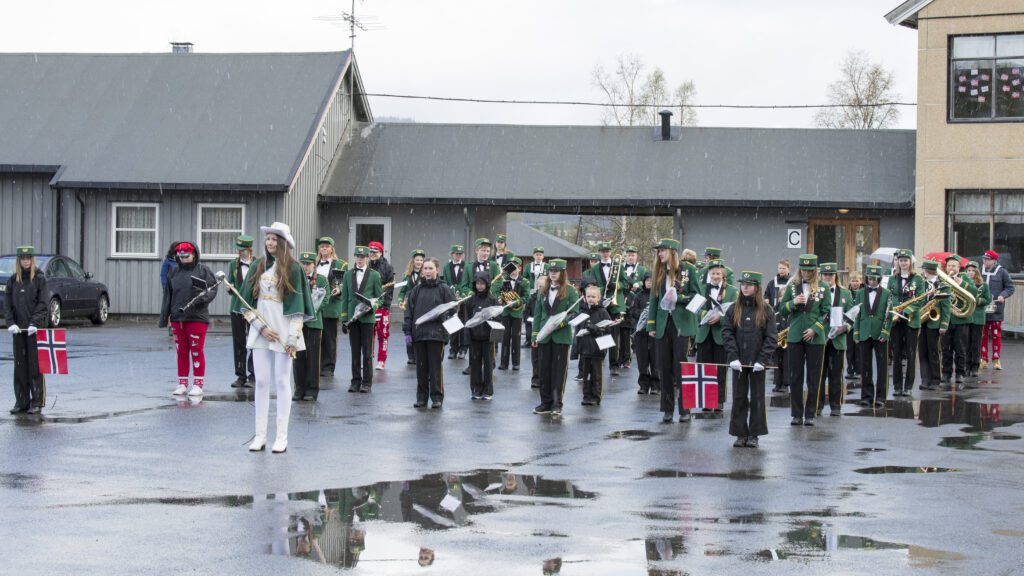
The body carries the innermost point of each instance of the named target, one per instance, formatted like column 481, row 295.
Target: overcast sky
column 736, row 51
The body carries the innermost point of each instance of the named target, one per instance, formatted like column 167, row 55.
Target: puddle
column 813, row 539
column 971, row 441
column 866, row 451
column 638, row 435
column 17, row 481
column 1008, row 532
column 935, row 412
column 903, row 470
column 736, row 475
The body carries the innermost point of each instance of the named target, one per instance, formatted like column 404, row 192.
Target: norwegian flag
column 53, row 351
column 700, row 385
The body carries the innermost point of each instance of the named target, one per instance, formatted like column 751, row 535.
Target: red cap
column 185, row 247
column 376, row 246
column 991, row 254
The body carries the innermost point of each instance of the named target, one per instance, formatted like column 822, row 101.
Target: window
column 987, row 78
column 57, row 269
column 981, row 220
column 76, row 271
column 219, row 226
column 135, row 230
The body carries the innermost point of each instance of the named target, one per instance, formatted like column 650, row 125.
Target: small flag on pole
column 53, row 351
column 700, row 385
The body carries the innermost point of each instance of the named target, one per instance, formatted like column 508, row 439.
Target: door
column 848, row 243
column 363, row 230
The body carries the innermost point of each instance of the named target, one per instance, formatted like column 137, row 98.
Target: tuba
column 963, row 302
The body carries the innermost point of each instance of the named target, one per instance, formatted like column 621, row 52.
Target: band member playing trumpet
column 333, row 268
column 933, row 327
column 904, row 326
column 870, row 334
column 804, row 300
column 513, row 288
column 360, row 285
column 633, row 272
column 710, row 347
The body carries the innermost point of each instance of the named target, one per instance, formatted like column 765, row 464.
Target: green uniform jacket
column 944, row 312
column 685, row 321
column 914, row 287
column 541, row 313
column 984, row 299
column 967, row 284
column 871, row 326
column 635, row 281
column 846, row 301
column 403, row 292
column 235, row 307
column 298, row 302
column 448, row 275
column 522, row 288
column 467, row 276
column 318, row 322
column 371, row 288
column 811, row 316
column 608, row 287
column 331, row 307
column 731, row 293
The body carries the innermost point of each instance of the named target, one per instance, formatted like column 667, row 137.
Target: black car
column 73, row 292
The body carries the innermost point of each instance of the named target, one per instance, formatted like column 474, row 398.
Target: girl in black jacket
column 27, row 298
column 186, row 306
column 749, row 336
column 481, row 351
column 591, row 355
column 427, row 340
column 643, row 345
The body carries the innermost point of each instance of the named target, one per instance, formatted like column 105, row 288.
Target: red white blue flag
column 53, row 351
column 700, row 385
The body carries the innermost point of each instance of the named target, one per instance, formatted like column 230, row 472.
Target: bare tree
column 864, row 89
column 634, row 97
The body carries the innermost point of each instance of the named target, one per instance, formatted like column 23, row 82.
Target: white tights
column 272, row 369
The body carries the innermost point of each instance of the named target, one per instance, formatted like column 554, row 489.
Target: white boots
column 259, row 442
column 281, row 442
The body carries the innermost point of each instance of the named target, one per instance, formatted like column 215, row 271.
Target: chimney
column 181, row 47
column 666, row 124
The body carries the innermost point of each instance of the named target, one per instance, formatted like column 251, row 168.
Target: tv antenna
column 364, row 23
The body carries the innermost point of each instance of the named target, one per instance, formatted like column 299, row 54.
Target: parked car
column 73, row 292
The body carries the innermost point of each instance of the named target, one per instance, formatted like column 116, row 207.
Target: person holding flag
column 710, row 348
column 26, row 311
column 750, row 338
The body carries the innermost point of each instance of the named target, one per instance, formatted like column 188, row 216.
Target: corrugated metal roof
column 171, row 120
column 522, row 239
column 625, row 166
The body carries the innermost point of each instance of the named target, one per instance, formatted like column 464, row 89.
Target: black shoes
column 503, row 367
column 364, row 389
column 642, row 391
column 588, row 402
column 796, row 422
column 866, row 403
column 740, row 442
column 353, row 388
column 19, row 409
column 434, row 406
column 238, row 383
column 34, row 410
column 542, row 409
column 515, row 367
column 420, row 405
column 751, row 442
column 466, row 371
column 667, row 418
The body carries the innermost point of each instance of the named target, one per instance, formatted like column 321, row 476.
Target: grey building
column 760, row 194
column 108, row 158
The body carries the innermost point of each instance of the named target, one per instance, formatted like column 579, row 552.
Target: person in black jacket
column 643, row 345
column 481, row 352
column 186, row 305
column 749, row 336
column 26, row 303
column 427, row 339
column 590, row 353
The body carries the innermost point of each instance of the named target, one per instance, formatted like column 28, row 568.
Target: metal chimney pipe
column 181, row 47
column 666, row 124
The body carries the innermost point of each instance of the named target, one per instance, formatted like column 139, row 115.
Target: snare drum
column 991, row 308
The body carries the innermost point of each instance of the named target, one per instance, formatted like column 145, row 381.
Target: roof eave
column 169, row 186
column 906, row 13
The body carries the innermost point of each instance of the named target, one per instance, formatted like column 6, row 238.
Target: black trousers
column 670, row 352
column 307, row 364
column 974, row 347
column 749, row 412
column 29, row 384
column 903, row 341
column 593, row 378
column 534, row 363
column 360, row 339
column 780, row 375
column 930, row 354
column 243, row 356
column 624, row 345
column 872, row 355
column 429, row 375
column 554, row 367
column 832, row 374
column 804, row 359
column 511, row 341
column 455, row 342
column 708, row 351
column 329, row 345
column 646, row 361
column 481, row 368
column 853, row 360
column 954, row 350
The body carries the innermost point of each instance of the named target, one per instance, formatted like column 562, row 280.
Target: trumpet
column 963, row 303
column 780, row 339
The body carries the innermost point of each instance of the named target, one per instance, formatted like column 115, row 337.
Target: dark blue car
column 73, row 292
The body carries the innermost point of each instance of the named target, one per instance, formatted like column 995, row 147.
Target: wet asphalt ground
column 119, row 477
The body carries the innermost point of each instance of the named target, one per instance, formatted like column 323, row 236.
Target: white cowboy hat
column 282, row 230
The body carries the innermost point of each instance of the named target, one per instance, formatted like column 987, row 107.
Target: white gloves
column 735, row 365
column 32, row 330
column 758, row 367
column 13, row 328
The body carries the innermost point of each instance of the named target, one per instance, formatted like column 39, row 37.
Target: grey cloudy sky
column 737, row 51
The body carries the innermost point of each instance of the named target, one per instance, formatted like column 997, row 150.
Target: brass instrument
column 512, row 297
column 780, row 339
column 930, row 311
column 899, row 308
column 613, row 276
column 963, row 303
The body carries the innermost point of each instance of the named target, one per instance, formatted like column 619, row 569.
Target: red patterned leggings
column 995, row 329
column 382, row 331
column 189, row 338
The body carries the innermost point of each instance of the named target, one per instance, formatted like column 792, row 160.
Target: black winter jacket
column 387, row 274
column 746, row 342
column 641, row 298
column 181, row 288
column 27, row 301
column 423, row 298
column 475, row 304
column 588, row 343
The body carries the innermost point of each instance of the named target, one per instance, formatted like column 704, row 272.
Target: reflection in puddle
column 971, row 441
column 934, row 412
column 17, row 481
column 638, row 435
column 736, row 475
column 903, row 470
column 814, row 539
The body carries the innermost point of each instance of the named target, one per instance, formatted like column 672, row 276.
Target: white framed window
column 134, row 230
column 218, row 225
